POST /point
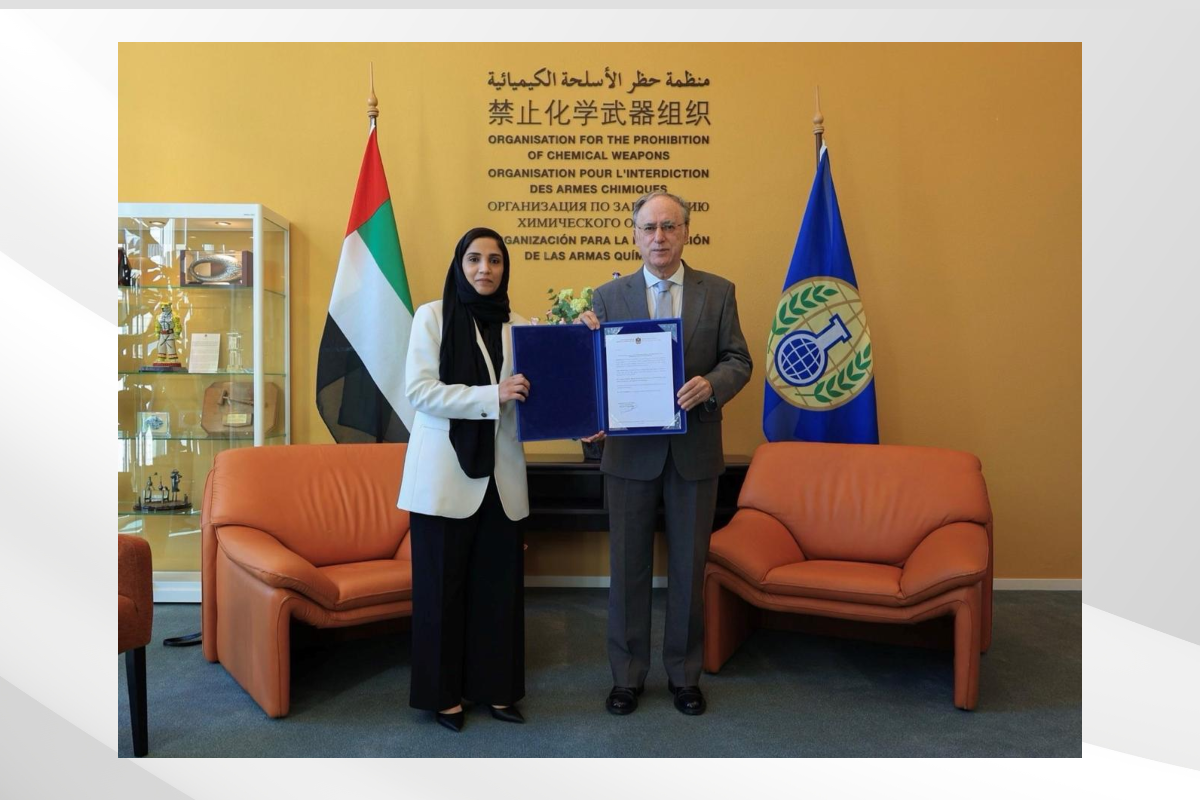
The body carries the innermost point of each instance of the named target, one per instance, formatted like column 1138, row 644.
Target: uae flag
column 360, row 366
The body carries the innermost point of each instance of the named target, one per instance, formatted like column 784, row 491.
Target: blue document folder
column 567, row 373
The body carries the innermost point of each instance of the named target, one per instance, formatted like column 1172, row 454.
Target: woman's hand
column 514, row 387
column 595, row 437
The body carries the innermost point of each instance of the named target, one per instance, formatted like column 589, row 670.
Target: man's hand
column 595, row 437
column 694, row 392
column 590, row 319
column 514, row 387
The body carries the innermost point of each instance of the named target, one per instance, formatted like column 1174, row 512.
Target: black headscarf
column 461, row 361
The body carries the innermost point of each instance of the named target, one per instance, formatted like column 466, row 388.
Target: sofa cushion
column 369, row 583
column 875, row 584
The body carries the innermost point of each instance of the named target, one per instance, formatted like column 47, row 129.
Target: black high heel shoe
column 452, row 721
column 508, row 714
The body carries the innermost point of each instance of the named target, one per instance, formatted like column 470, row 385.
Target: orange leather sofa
column 135, row 620
column 875, row 533
column 306, row 532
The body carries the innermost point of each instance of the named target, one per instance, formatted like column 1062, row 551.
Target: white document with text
column 641, row 389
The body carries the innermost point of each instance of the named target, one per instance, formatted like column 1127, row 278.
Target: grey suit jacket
column 713, row 347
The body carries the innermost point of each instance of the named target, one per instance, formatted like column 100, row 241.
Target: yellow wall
column 958, row 170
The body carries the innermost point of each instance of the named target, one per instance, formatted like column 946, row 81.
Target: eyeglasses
column 667, row 228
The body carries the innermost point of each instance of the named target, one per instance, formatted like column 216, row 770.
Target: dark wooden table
column 566, row 493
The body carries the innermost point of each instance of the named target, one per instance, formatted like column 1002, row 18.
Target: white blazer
column 434, row 482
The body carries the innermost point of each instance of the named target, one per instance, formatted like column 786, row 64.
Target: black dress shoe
column 508, row 714
column 452, row 721
column 688, row 699
column 622, row 700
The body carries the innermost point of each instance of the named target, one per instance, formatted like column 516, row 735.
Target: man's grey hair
column 646, row 198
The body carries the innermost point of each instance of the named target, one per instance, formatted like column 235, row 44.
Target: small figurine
column 169, row 329
column 160, row 499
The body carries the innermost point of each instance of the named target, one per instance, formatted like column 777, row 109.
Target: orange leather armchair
column 135, row 618
column 306, row 532
column 874, row 533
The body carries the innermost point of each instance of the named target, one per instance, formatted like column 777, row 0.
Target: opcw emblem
column 819, row 352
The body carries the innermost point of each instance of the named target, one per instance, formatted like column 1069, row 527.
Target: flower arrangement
column 565, row 307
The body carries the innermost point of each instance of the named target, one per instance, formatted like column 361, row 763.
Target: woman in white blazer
column 464, row 484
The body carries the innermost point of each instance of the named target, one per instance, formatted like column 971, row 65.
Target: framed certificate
column 622, row 379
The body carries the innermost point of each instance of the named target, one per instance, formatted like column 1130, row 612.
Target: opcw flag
column 360, row 366
column 819, row 361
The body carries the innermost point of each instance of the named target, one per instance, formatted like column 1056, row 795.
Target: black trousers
column 468, row 624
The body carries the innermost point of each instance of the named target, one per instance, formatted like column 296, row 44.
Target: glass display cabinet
column 202, row 364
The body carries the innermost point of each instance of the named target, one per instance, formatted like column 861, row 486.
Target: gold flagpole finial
column 372, row 101
column 818, row 125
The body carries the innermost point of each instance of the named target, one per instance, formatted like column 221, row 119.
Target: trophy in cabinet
column 234, row 361
column 212, row 268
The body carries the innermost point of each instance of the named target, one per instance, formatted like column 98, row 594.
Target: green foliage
column 565, row 307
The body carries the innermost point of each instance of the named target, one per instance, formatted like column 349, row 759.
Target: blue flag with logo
column 819, row 360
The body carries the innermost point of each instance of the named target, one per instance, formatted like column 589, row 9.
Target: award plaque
column 229, row 409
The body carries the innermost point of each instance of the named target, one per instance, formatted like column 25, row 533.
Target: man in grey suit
column 682, row 469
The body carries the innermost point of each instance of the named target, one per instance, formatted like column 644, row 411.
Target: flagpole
column 372, row 101
column 818, row 126
column 373, row 114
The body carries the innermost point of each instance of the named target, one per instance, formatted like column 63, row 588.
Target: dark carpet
column 782, row 694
